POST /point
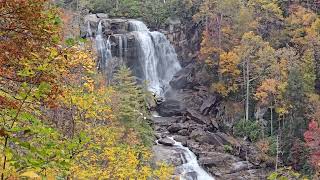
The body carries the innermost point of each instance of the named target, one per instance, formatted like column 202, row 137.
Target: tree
column 132, row 108
column 267, row 94
column 268, row 20
column 229, row 73
column 312, row 138
column 258, row 61
column 26, row 27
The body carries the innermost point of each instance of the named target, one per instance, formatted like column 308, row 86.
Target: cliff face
column 185, row 38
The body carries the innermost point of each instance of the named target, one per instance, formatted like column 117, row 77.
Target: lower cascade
column 190, row 169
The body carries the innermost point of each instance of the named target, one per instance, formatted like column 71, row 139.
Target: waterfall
column 103, row 48
column 125, row 47
column 120, row 47
column 89, row 31
column 135, row 25
column 156, row 56
column 190, row 167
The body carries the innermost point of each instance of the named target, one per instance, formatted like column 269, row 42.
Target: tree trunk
column 271, row 119
column 247, row 90
column 277, row 157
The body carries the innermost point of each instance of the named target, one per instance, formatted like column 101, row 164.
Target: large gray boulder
column 209, row 104
column 174, row 128
column 184, row 79
column 102, row 15
column 170, row 108
column 91, row 18
column 166, row 141
column 167, row 154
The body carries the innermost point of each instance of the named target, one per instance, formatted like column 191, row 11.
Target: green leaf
column 26, row 116
column 70, row 42
column 44, row 87
column 43, row 67
column 57, row 20
column 26, row 72
column 9, row 153
column 273, row 176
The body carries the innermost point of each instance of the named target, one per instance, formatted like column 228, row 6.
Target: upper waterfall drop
column 156, row 56
column 103, row 48
column 136, row 25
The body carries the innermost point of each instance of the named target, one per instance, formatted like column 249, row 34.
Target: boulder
column 228, row 140
column 197, row 133
column 164, row 121
column 102, row 15
column 197, row 117
column 223, row 164
column 170, row 108
column 167, row 154
column 184, row 79
column 174, row 128
column 216, row 139
column 181, row 139
column 184, row 132
column 91, row 18
column 240, row 166
column 173, row 21
column 255, row 174
column 217, row 159
column 208, row 104
column 166, row 141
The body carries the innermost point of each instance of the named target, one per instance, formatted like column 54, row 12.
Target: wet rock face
column 167, row 154
column 166, row 141
column 184, row 79
column 185, row 37
column 110, row 25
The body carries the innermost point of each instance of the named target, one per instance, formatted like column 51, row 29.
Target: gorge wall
column 189, row 112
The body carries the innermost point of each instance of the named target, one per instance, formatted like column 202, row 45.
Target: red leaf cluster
column 4, row 102
column 312, row 138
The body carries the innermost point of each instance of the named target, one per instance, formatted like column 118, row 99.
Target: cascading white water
column 157, row 57
column 89, row 31
column 191, row 170
column 103, row 47
column 125, row 47
column 120, row 47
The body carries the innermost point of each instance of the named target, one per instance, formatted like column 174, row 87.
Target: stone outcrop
column 185, row 37
column 166, row 141
column 195, row 126
column 167, row 154
column 171, row 108
column 184, row 79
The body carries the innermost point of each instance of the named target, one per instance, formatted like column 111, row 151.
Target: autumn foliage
column 312, row 138
column 58, row 120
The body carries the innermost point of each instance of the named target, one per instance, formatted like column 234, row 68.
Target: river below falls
column 190, row 168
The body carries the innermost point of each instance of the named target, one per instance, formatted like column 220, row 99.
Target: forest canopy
column 60, row 119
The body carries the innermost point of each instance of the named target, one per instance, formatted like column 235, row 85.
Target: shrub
column 250, row 129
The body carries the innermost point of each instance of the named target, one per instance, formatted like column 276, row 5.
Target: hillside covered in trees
column 244, row 87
